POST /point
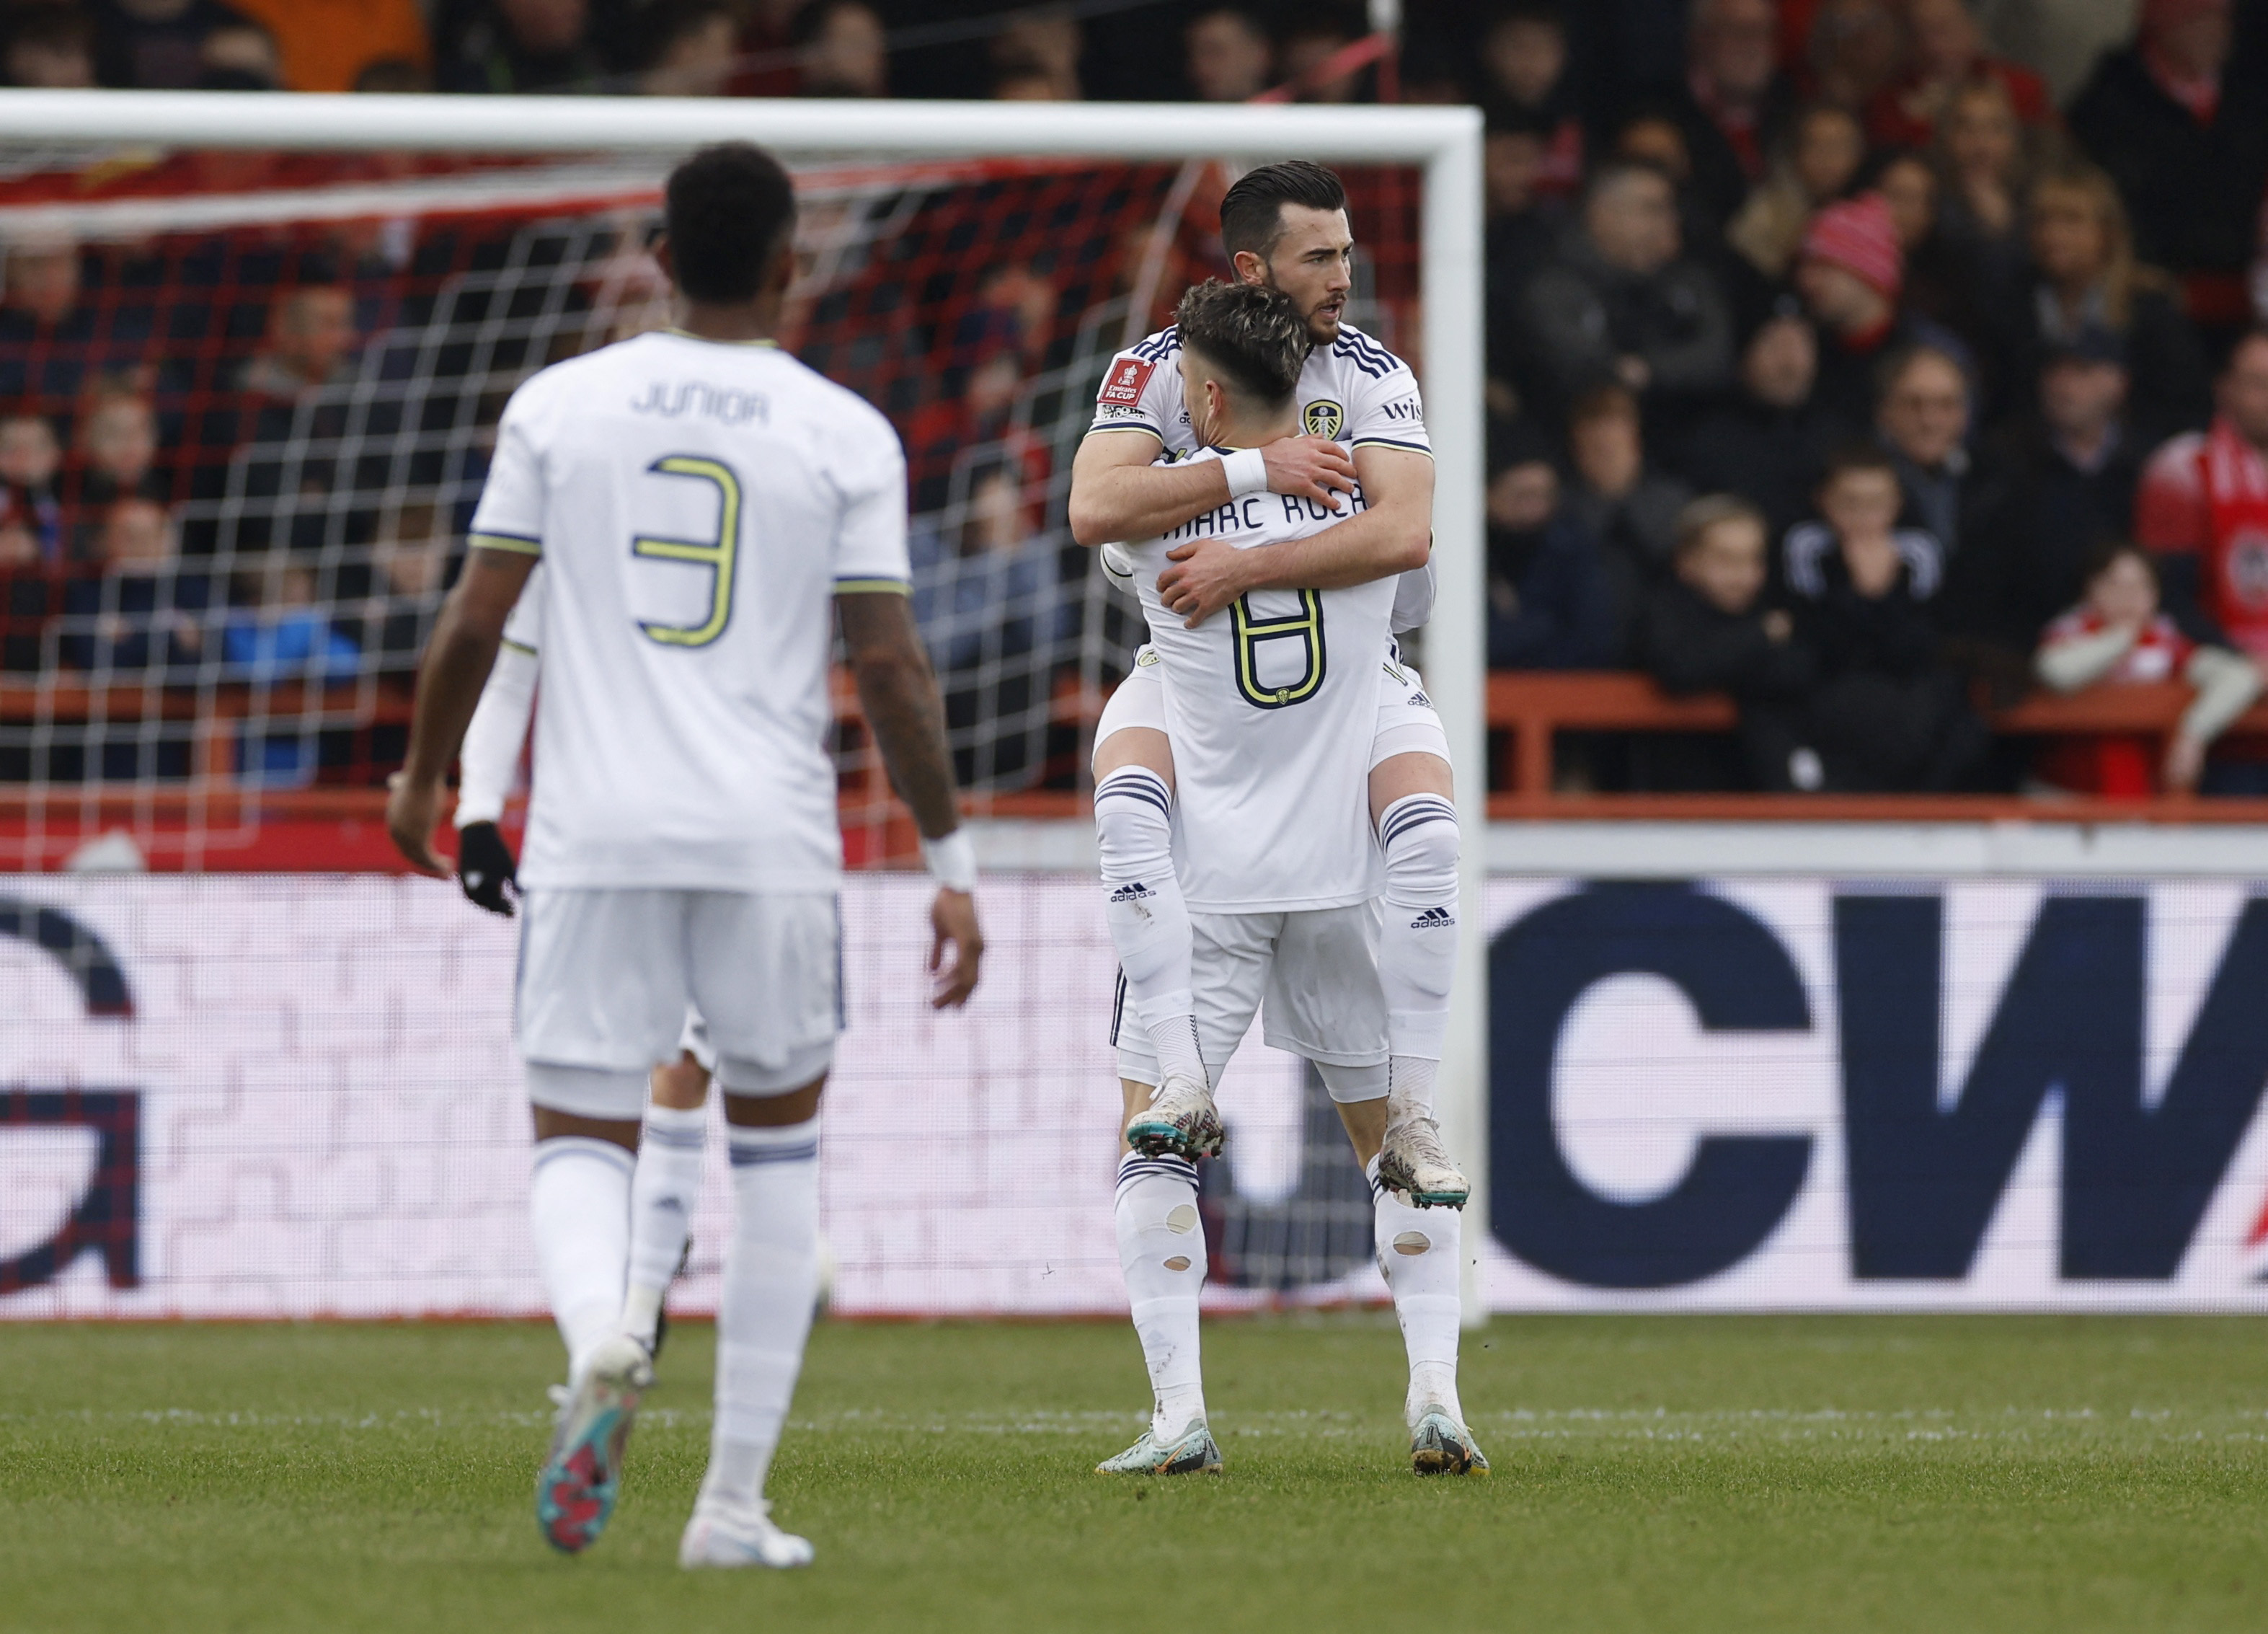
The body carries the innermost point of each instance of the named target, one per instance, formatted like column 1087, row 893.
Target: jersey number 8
column 717, row 555
column 1305, row 627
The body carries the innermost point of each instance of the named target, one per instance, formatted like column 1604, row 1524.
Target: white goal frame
column 1444, row 143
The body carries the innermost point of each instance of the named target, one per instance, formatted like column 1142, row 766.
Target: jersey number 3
column 1253, row 632
column 717, row 555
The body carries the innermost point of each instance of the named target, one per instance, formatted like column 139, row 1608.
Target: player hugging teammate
column 1272, row 714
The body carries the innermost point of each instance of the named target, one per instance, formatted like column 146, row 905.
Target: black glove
column 485, row 868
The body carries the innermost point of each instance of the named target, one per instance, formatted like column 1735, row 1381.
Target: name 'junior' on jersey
column 697, row 505
column 1272, row 705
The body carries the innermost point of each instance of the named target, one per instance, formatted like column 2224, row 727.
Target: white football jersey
column 696, row 506
column 1271, row 706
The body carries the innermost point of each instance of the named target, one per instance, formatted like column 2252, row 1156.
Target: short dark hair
column 2107, row 551
column 1855, row 458
column 1609, row 401
column 1617, row 168
column 1253, row 333
column 1702, row 516
column 730, row 209
column 1252, row 212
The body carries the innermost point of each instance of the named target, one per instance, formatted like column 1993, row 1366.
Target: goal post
column 1443, row 144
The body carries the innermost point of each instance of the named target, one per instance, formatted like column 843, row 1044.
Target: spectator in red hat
column 1848, row 272
column 2186, row 139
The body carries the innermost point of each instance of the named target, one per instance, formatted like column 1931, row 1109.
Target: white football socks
column 1418, row 950
column 578, row 1202
column 663, row 1192
column 1162, row 1250
column 1149, row 922
column 1419, row 1250
column 771, row 1279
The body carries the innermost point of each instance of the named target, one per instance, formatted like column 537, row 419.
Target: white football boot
column 1439, row 1444
column 581, row 1479
column 1411, row 1160
column 1193, row 1453
column 739, row 1535
column 1180, row 1121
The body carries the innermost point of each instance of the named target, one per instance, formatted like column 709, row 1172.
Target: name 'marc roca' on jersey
column 1271, row 706
column 696, row 506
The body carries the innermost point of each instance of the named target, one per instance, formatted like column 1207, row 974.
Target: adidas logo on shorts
column 1136, row 892
column 1434, row 918
column 1418, row 700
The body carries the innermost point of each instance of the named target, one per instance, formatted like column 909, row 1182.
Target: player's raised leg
column 663, row 1191
column 1148, row 920
column 1412, row 803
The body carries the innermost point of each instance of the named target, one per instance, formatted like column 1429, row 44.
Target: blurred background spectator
column 1709, row 628
column 49, row 47
column 1629, row 510
column 330, row 45
column 1229, row 57
column 524, row 45
column 840, row 50
column 1549, row 604
column 1619, row 303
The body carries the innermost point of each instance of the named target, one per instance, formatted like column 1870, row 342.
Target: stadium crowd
column 1864, row 359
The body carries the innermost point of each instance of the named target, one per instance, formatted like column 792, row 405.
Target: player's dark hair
column 1252, row 213
column 1253, row 334
column 730, row 207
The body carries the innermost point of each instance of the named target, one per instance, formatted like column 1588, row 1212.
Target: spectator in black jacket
column 1922, row 417
column 1548, row 605
column 1771, row 441
column 2187, row 141
column 1629, row 510
column 1886, row 718
column 2069, row 480
column 1621, row 305
column 2085, row 279
column 1708, row 629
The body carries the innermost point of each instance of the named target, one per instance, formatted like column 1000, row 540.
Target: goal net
column 247, row 392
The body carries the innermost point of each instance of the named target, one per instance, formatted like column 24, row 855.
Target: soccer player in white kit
column 1272, row 714
column 699, row 498
column 1285, row 226
column 666, row 1183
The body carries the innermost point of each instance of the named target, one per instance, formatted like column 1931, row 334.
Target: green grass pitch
column 2001, row 1474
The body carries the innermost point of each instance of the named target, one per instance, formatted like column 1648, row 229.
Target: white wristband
column 1247, row 470
column 952, row 861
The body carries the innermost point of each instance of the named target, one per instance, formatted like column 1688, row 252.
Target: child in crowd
column 1708, row 629
column 1888, row 717
column 29, row 459
column 2118, row 636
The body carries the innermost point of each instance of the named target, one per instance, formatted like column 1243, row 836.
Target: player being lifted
column 1285, row 226
column 698, row 497
column 1272, row 715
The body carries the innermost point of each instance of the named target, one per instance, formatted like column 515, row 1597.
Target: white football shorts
column 610, row 981
column 1407, row 721
column 1311, row 976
